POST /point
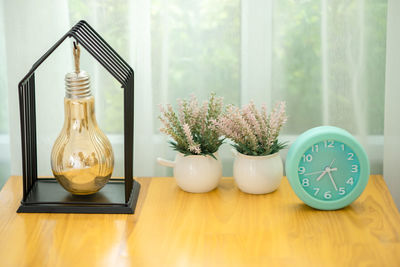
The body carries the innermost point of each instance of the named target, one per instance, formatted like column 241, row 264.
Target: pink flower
column 193, row 147
column 251, row 129
column 193, row 122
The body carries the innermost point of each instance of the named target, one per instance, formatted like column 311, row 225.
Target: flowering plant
column 254, row 132
column 191, row 127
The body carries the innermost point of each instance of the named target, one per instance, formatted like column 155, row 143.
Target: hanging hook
column 77, row 53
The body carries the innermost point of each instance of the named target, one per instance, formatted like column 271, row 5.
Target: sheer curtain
column 4, row 137
column 392, row 108
column 325, row 58
column 29, row 33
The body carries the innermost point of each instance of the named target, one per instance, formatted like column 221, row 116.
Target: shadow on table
column 305, row 208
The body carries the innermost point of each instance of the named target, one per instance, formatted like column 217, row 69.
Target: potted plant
column 197, row 167
column 258, row 166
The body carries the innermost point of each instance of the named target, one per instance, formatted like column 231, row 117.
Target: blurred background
column 325, row 58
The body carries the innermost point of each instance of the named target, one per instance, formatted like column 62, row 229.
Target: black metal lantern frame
column 46, row 194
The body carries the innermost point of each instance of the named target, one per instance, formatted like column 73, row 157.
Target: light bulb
column 82, row 158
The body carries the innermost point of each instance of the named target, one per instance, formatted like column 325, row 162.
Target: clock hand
column 327, row 170
column 313, row 173
column 322, row 174
column 333, row 181
column 330, row 165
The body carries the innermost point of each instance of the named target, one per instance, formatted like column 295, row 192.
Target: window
column 325, row 58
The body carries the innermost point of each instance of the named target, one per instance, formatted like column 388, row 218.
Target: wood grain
column 222, row 228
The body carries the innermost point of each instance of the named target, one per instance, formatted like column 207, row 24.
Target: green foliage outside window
column 196, row 48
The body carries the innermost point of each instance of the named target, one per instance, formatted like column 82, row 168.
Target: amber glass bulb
column 82, row 158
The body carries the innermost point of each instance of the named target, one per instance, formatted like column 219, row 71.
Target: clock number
column 329, row 144
column 342, row 147
column 328, row 195
column 350, row 181
column 307, row 158
column 342, row 191
column 354, row 168
column 316, row 189
column 350, row 156
column 305, row 182
column 302, row 170
column 314, row 148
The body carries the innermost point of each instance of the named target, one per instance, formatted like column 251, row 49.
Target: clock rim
column 305, row 141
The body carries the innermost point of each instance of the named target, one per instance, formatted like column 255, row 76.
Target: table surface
column 222, row 228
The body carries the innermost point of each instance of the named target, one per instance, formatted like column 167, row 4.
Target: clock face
column 329, row 170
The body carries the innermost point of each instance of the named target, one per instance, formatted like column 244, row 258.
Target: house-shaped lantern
column 46, row 194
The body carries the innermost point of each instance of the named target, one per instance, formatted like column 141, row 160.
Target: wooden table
column 222, row 228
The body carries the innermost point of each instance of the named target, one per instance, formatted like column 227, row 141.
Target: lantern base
column 47, row 196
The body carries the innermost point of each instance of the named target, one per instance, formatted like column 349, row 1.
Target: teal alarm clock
column 327, row 168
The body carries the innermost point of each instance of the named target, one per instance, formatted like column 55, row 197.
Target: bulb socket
column 77, row 85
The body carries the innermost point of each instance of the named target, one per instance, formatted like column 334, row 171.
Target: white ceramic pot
column 257, row 174
column 195, row 173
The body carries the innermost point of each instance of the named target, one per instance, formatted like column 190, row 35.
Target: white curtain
column 325, row 58
column 392, row 108
column 29, row 31
column 4, row 137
